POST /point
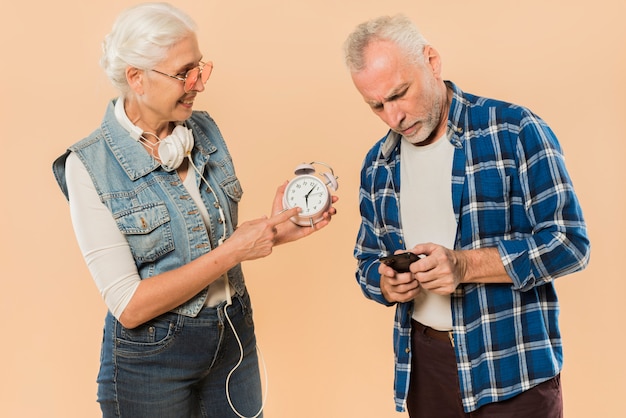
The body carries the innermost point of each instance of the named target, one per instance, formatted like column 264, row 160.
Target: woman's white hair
column 398, row 29
column 141, row 37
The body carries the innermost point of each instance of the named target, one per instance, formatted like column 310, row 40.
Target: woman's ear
column 134, row 78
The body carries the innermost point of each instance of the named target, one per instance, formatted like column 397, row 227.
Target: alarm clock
column 310, row 192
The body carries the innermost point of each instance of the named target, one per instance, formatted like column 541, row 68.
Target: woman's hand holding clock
column 289, row 231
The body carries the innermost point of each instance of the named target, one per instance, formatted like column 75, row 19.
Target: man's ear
column 134, row 78
column 432, row 60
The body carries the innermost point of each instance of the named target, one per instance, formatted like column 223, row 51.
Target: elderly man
column 479, row 189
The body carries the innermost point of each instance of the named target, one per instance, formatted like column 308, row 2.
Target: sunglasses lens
column 206, row 71
column 192, row 76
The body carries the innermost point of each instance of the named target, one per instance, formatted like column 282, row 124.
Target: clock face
column 308, row 193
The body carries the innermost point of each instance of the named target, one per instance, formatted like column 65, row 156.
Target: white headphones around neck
column 172, row 149
column 175, row 147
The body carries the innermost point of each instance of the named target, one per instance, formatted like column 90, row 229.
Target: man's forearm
column 482, row 265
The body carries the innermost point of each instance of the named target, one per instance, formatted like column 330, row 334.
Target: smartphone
column 400, row 262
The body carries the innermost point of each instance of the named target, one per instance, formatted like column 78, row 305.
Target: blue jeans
column 177, row 366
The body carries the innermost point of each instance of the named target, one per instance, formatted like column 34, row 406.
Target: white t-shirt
column 427, row 215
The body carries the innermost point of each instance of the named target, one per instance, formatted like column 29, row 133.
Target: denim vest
column 152, row 207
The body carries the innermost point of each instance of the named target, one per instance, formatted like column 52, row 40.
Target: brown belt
column 445, row 336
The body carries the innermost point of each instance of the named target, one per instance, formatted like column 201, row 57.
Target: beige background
column 281, row 96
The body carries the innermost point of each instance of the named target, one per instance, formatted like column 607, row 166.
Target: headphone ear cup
column 171, row 153
column 186, row 138
column 175, row 147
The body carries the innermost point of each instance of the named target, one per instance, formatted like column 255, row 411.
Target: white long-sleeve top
column 104, row 247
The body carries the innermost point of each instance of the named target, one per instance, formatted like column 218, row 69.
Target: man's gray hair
column 398, row 29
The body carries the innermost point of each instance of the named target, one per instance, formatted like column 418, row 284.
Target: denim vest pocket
column 233, row 190
column 148, row 231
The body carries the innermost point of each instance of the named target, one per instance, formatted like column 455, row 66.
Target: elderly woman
column 153, row 198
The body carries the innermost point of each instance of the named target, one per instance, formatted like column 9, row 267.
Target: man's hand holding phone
column 400, row 262
column 397, row 284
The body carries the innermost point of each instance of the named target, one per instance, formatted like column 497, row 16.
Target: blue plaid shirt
column 510, row 190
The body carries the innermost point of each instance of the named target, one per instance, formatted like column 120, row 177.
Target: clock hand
column 306, row 197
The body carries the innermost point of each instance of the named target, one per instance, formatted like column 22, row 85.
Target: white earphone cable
column 262, row 360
